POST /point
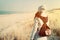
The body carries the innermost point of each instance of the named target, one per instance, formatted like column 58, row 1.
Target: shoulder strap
column 44, row 19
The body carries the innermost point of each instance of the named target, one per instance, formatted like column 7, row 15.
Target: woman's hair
column 41, row 8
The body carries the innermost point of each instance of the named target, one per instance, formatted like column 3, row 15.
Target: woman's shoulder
column 38, row 19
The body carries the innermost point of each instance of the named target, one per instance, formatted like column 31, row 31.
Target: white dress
column 34, row 34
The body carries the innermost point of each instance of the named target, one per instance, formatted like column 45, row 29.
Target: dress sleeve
column 34, row 28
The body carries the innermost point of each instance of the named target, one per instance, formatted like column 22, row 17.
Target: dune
column 19, row 26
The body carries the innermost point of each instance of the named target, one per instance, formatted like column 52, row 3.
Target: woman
column 41, row 23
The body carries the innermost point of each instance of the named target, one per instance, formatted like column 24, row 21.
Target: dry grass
column 13, row 29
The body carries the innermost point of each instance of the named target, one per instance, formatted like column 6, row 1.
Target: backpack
column 43, row 29
column 44, row 26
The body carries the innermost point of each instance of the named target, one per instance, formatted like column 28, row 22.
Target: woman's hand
column 48, row 32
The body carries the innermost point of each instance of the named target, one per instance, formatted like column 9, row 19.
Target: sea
column 12, row 12
column 6, row 12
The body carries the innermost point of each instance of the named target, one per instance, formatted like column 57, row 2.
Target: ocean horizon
column 12, row 12
column 6, row 12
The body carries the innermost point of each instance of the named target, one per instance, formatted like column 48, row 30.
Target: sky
column 27, row 5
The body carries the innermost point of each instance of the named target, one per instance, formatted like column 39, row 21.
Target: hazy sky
column 27, row 5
